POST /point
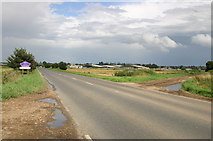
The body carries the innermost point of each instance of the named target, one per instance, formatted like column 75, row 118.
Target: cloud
column 202, row 40
column 125, row 27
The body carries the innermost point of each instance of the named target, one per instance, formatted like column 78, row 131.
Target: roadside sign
column 25, row 64
column 25, row 68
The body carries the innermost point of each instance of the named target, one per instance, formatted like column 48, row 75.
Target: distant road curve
column 108, row 110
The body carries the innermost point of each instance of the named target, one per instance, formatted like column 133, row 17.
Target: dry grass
column 102, row 72
column 6, row 69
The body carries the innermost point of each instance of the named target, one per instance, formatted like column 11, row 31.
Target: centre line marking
column 74, row 78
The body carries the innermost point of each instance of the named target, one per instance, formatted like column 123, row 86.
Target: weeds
column 201, row 85
column 8, row 76
column 24, row 84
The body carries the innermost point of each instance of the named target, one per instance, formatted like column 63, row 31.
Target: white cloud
column 202, row 40
column 131, row 26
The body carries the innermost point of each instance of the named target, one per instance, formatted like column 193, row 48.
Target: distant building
column 75, row 66
column 139, row 67
column 97, row 66
column 3, row 63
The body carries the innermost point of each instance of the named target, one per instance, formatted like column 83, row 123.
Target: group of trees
column 61, row 65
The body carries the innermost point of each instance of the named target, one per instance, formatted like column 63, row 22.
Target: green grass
column 142, row 78
column 201, row 85
column 25, row 84
column 5, row 67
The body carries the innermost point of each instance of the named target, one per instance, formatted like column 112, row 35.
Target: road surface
column 109, row 110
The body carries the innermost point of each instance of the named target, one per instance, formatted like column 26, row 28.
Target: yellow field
column 103, row 72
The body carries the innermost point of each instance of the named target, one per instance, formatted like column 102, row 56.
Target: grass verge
column 201, row 85
column 142, row 78
column 25, row 84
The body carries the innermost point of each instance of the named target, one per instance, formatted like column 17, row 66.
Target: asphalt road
column 108, row 110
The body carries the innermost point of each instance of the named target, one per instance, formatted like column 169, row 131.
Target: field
column 201, row 85
column 14, row 84
column 102, row 72
column 137, row 75
column 5, row 68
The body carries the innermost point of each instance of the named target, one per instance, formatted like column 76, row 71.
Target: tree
column 62, row 65
column 55, row 65
column 209, row 65
column 47, row 65
column 19, row 56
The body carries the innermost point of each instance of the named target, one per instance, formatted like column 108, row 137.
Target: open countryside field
column 5, row 68
column 102, row 72
column 130, row 75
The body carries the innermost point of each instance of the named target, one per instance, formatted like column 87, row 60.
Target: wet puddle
column 49, row 100
column 58, row 119
column 175, row 87
column 58, row 115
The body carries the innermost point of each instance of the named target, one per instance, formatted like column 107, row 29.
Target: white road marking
column 59, row 74
column 88, row 137
column 89, row 83
column 74, row 78
column 116, row 91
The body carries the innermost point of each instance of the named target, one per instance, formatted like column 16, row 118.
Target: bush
column 62, row 66
column 8, row 76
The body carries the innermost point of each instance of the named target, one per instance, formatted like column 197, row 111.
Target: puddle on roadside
column 58, row 119
column 49, row 100
column 175, row 87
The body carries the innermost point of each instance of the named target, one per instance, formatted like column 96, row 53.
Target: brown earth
column 7, row 69
column 157, row 85
column 26, row 118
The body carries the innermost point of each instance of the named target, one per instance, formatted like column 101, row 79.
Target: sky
column 164, row 32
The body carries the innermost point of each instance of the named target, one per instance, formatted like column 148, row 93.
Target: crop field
column 102, row 72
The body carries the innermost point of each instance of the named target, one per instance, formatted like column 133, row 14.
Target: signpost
column 25, row 66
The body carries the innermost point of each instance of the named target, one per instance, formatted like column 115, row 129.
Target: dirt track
column 159, row 84
column 26, row 118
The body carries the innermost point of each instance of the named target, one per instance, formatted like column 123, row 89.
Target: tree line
column 21, row 55
column 61, row 65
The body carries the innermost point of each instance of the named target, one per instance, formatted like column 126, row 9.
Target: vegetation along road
column 108, row 110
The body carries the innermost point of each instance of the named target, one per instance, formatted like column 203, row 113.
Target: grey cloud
column 102, row 33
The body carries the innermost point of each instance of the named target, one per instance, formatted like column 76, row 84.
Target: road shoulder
column 26, row 118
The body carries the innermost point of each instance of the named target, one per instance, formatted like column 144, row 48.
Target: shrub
column 62, row 66
column 8, row 76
